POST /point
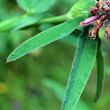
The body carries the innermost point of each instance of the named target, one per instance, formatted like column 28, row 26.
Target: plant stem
column 55, row 19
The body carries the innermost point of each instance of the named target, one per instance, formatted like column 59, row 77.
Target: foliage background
column 38, row 80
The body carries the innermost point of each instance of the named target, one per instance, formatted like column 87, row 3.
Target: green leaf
column 25, row 4
column 36, row 6
column 80, row 8
column 81, row 68
column 19, row 22
column 72, row 39
column 45, row 38
column 66, row 4
column 44, row 27
column 100, row 71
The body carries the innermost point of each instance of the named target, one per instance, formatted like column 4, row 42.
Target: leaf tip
column 95, row 100
column 8, row 60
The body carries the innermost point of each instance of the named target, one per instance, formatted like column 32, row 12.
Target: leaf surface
column 25, row 4
column 19, row 22
column 100, row 71
column 45, row 38
column 81, row 68
column 36, row 6
column 72, row 39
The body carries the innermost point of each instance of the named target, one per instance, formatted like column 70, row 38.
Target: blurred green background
column 38, row 80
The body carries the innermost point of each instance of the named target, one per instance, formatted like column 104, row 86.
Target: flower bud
column 89, row 20
column 107, row 32
column 92, row 32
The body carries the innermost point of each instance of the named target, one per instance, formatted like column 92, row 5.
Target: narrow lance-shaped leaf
column 81, row 68
column 45, row 38
column 100, row 71
column 71, row 39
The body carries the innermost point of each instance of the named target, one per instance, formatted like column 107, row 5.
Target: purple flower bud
column 89, row 20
